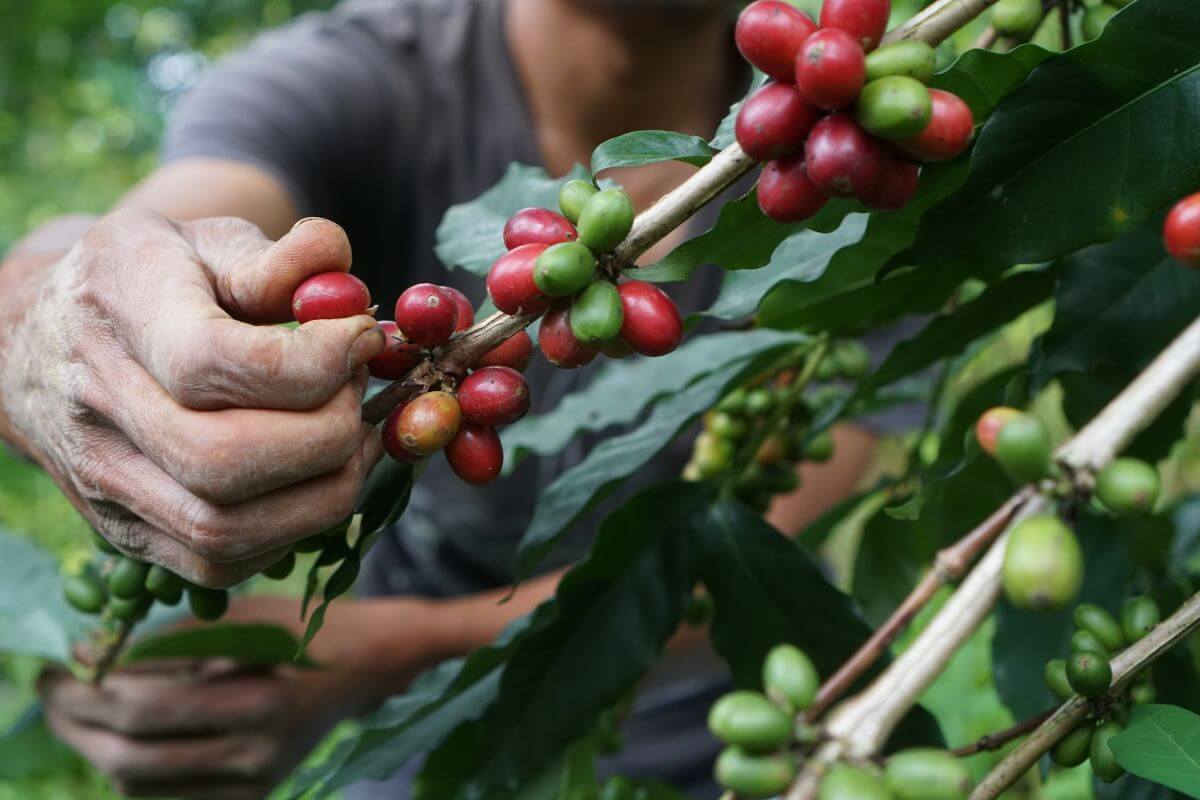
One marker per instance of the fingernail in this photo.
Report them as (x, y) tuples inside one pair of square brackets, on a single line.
[(301, 222), (368, 345)]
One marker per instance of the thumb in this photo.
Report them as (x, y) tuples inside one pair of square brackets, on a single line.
[(254, 277)]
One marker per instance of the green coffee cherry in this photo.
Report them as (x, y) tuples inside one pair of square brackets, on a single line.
[(1104, 762), (1090, 674), (910, 58), (820, 448), (1087, 642), (563, 269), (207, 604), (1056, 679), (127, 578), (1016, 17), (790, 678), (573, 196), (927, 774), (1074, 748), (1101, 624), (894, 107), (281, 568), (780, 478), (727, 426), (1048, 35), (1127, 487), (754, 776), (596, 313), (103, 545), (126, 610), (733, 403), (759, 402), (1095, 18), (1138, 616), (844, 782), (827, 369), (1023, 448), (165, 586), (1143, 692), (852, 358), (1043, 564), (605, 220), (749, 721), (711, 455), (85, 592)]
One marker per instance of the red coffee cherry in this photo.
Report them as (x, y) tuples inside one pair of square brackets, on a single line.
[(830, 69), (841, 158), (773, 122), (785, 193), (330, 295), (426, 315), (391, 438), (558, 342), (510, 281), (948, 132), (428, 422), (493, 396), (651, 324), (463, 308), (865, 20), (897, 183), (397, 358), (538, 226), (475, 454), (514, 353), (1181, 231), (769, 34)]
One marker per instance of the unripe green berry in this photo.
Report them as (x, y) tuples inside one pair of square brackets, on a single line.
[(727, 426), (207, 604), (85, 592), (844, 782), (759, 402), (711, 455), (852, 358), (894, 107), (1143, 692), (750, 721), (790, 678), (733, 403), (1087, 642), (1023, 448), (605, 220), (1016, 17), (1101, 624), (1056, 679), (910, 57), (596, 314), (1138, 616), (127, 610), (1074, 748), (754, 776), (165, 586), (127, 578), (820, 448), (1127, 487), (1090, 674), (927, 774), (1095, 19), (1104, 762), (573, 196), (563, 269), (1043, 564)]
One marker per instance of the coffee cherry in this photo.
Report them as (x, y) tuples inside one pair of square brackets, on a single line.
[(1127, 487), (852, 359), (948, 132), (282, 568), (1101, 624), (537, 226), (493, 396), (165, 586), (1138, 616), (426, 315), (896, 185), (928, 773), (1016, 17), (769, 33), (1087, 642), (1104, 762), (790, 678), (711, 455), (1024, 449), (1181, 231), (475, 454), (820, 448), (785, 193), (605, 219), (1043, 564), (330, 295), (733, 403), (759, 402), (514, 353), (866, 20), (573, 196), (894, 107), (1090, 674), (1056, 679), (127, 578), (773, 122), (428, 422), (989, 425), (596, 313), (910, 57), (651, 323), (754, 776), (207, 604), (750, 721), (397, 358), (510, 281), (85, 592), (1095, 19), (393, 446), (1048, 35), (772, 450), (1074, 748), (129, 610), (465, 312), (103, 545), (563, 269), (830, 69), (558, 343), (844, 782), (841, 159), (727, 426)]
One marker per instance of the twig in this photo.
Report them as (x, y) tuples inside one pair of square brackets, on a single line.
[(110, 653), (994, 741), (938, 21), (986, 39), (1064, 16)]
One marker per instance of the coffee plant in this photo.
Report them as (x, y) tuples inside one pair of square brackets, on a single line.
[(984, 167)]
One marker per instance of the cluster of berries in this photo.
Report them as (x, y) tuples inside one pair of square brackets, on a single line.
[(840, 118), (1021, 20)]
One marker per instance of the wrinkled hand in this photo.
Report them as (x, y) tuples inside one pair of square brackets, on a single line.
[(139, 374)]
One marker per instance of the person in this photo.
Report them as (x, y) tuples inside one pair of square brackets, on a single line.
[(141, 374)]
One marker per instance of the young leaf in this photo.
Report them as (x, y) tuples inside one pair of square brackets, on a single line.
[(1162, 744), (650, 147), (252, 645)]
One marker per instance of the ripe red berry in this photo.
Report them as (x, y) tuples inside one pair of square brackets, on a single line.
[(493, 396), (475, 454), (1181, 232), (397, 358), (330, 295), (830, 69), (514, 353), (773, 122), (865, 20), (785, 193), (841, 158), (538, 226), (391, 438), (769, 34), (427, 423), (510, 281), (426, 315), (558, 342), (462, 305), (651, 324), (948, 132), (897, 183)]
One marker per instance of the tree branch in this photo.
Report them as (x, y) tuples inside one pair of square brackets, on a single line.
[(994, 741)]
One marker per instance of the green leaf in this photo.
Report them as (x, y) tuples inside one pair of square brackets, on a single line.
[(30, 750), (1162, 744), (34, 618), (385, 495), (650, 147), (1086, 150), (253, 645)]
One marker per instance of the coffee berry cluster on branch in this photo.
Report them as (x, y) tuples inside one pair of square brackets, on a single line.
[(1031, 20)]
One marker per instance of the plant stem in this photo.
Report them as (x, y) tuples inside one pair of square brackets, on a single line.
[(938, 21), (994, 741), (986, 39), (110, 652)]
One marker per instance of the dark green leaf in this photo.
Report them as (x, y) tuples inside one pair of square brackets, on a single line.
[(34, 618), (1162, 744), (650, 147), (385, 495), (254, 645)]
